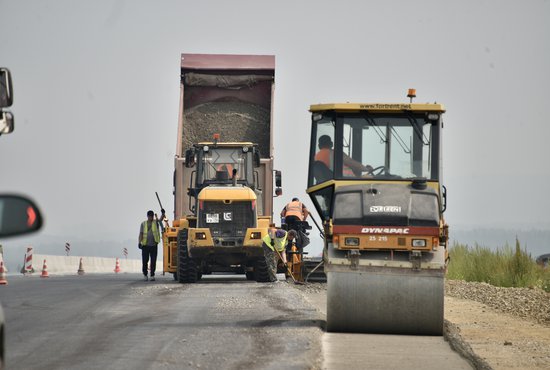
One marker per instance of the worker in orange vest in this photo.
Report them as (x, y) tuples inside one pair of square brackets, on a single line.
[(294, 212), (352, 168), (228, 168)]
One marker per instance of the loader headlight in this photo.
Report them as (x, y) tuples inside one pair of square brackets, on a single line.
[(245, 149), (419, 243), (351, 242), (205, 148), (255, 235), (200, 236)]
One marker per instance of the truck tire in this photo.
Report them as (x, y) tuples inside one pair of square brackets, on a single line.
[(187, 268), (260, 271)]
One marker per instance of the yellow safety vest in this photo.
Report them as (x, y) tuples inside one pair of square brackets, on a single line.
[(280, 243), (155, 230)]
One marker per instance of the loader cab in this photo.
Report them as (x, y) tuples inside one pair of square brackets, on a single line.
[(223, 164), (372, 143)]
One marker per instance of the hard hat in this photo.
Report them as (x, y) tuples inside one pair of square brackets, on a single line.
[(280, 233)]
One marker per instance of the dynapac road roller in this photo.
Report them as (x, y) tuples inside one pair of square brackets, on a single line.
[(375, 180)]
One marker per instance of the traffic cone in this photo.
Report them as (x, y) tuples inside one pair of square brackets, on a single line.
[(3, 280), (44, 271), (117, 267), (80, 268)]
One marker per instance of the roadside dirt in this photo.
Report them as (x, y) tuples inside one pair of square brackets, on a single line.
[(505, 328), (494, 328)]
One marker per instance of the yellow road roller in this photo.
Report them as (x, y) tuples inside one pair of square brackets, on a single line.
[(375, 180)]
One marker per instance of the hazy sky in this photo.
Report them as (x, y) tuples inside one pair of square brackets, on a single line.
[(97, 87)]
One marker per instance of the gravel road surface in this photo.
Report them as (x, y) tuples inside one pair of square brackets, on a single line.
[(119, 322)]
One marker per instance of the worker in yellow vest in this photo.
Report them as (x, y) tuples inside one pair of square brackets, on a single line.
[(149, 237), (275, 239)]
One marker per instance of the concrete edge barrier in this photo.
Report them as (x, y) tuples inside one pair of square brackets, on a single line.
[(68, 265)]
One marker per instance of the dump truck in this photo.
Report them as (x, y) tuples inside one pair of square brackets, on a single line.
[(223, 177), (375, 180)]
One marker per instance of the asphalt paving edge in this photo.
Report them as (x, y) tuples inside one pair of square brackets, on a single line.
[(451, 333)]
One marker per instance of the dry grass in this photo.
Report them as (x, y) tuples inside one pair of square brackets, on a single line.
[(505, 266)]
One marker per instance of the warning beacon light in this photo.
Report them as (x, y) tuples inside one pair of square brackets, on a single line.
[(411, 94)]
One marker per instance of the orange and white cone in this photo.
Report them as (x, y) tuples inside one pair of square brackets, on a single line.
[(3, 280), (117, 267), (45, 271), (80, 268)]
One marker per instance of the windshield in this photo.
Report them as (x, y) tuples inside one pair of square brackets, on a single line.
[(381, 146), (225, 160)]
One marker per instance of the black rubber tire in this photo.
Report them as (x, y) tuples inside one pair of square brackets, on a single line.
[(249, 275), (260, 271), (187, 268), (175, 275)]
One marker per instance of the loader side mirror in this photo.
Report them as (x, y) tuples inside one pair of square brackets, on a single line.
[(256, 158), (189, 158), (444, 199), (6, 90), (18, 216), (278, 192), (6, 123), (278, 179)]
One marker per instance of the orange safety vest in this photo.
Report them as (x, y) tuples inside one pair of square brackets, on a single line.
[(227, 166), (294, 209), (325, 155)]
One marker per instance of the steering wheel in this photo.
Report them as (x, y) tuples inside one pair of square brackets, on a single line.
[(380, 169)]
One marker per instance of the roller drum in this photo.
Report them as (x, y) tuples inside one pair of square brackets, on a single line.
[(386, 300)]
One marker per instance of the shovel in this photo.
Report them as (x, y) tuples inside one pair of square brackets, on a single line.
[(288, 269)]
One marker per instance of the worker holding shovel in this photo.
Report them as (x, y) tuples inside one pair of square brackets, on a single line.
[(274, 245)]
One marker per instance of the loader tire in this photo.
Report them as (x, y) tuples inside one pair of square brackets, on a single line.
[(187, 267), (260, 271), (249, 275)]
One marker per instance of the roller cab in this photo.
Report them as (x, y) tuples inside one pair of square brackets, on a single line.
[(375, 180)]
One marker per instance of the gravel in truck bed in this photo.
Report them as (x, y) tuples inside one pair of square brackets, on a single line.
[(233, 120)]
